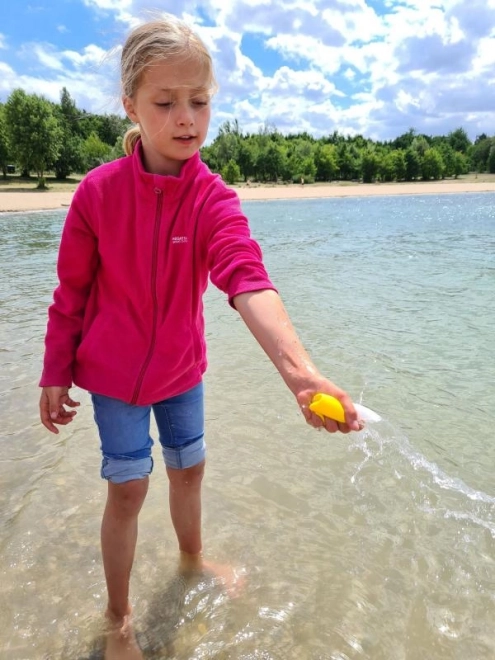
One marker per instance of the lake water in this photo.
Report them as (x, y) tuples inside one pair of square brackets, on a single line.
[(378, 545)]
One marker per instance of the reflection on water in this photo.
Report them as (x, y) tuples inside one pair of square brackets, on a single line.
[(377, 545)]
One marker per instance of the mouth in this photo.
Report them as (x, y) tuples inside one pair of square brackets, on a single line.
[(185, 138)]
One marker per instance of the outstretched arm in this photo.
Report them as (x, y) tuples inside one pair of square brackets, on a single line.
[(266, 317)]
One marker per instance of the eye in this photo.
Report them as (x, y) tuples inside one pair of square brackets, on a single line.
[(164, 105), (200, 103)]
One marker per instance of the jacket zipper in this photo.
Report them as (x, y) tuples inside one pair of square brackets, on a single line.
[(154, 269)]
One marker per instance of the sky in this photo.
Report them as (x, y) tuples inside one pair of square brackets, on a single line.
[(370, 67)]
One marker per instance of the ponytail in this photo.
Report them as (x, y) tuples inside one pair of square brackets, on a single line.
[(130, 139)]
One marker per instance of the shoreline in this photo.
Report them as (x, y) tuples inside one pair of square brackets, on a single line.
[(14, 202)]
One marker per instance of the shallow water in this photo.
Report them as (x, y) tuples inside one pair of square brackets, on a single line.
[(375, 545)]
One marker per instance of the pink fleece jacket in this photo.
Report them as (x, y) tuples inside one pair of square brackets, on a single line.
[(136, 251)]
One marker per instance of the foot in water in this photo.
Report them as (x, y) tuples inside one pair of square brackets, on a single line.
[(232, 579), (121, 641)]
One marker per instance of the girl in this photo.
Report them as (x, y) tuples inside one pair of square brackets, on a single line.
[(142, 235)]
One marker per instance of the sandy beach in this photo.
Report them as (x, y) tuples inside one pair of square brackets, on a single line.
[(11, 201)]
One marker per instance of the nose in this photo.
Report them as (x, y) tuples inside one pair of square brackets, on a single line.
[(185, 115)]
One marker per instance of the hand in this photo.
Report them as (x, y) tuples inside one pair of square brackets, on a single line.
[(305, 396), (52, 411)]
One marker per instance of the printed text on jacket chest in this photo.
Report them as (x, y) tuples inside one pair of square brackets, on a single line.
[(176, 240)]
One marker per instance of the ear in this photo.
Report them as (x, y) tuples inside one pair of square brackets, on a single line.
[(129, 109)]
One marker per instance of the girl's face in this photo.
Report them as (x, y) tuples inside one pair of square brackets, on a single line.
[(172, 108)]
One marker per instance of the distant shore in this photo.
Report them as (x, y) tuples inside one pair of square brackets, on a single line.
[(13, 201)]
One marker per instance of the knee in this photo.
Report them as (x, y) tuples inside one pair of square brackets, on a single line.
[(126, 499), (188, 478)]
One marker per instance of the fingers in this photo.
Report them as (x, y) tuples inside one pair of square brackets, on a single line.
[(52, 409), (351, 417), (70, 402), (318, 422), (45, 416), (54, 401), (331, 426), (61, 417)]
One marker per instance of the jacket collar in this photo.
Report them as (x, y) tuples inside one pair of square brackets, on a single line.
[(167, 183)]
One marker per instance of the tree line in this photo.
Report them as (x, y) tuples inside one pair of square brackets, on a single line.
[(37, 135), (270, 156)]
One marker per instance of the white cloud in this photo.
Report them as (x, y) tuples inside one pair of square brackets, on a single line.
[(91, 56), (122, 9), (87, 91), (349, 65), (7, 76), (109, 5), (304, 49), (44, 55), (484, 60), (311, 85)]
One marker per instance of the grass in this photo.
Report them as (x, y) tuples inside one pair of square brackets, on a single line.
[(475, 177), (472, 177), (15, 183)]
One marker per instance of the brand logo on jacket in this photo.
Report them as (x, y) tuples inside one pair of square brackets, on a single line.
[(179, 239)]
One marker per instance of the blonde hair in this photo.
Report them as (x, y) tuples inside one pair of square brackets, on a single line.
[(156, 40)]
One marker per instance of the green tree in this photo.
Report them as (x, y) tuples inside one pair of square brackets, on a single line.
[(226, 144), (35, 135), (117, 150), (300, 160), (86, 123), (459, 140), (111, 128), (399, 158), (420, 145), (71, 156), (386, 167), (481, 152), (326, 162), (306, 171), (68, 113), (413, 165), (246, 158), (4, 143), (432, 165), (404, 141), (369, 166), (209, 157), (349, 162), (95, 151), (231, 172), (273, 161), (460, 164), (449, 158), (491, 160)]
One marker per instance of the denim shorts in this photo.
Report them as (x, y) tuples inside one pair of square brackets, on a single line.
[(125, 434)]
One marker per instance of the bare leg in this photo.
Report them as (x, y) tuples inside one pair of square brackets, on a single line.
[(118, 542), (185, 509)]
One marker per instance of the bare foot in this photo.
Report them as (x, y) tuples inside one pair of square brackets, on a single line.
[(231, 578), (121, 642)]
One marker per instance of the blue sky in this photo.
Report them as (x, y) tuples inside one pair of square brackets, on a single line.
[(374, 67)]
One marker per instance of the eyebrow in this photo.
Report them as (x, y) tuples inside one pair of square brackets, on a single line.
[(196, 90)]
